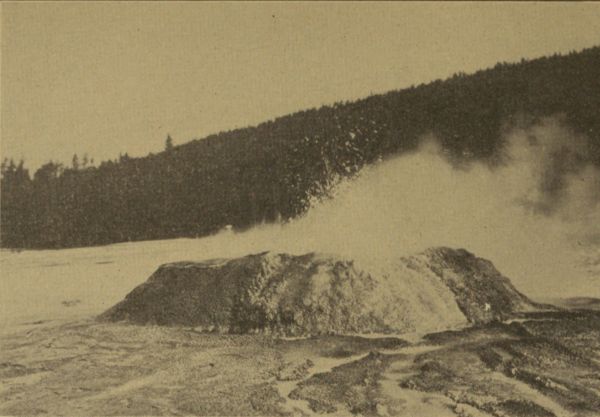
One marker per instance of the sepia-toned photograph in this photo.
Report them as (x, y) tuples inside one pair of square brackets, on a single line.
[(378, 209)]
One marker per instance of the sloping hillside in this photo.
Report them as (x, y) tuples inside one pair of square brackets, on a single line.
[(266, 172), (316, 294)]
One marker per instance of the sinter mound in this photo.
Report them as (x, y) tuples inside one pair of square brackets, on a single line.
[(317, 294)]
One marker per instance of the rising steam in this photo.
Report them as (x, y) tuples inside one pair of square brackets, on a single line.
[(536, 215), (532, 215)]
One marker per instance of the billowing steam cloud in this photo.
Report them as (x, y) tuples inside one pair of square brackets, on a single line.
[(536, 215), (568, 184), (531, 216)]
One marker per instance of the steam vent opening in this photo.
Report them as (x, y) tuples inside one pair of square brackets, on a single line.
[(315, 294)]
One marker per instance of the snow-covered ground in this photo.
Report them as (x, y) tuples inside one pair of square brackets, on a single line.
[(72, 283), (47, 285)]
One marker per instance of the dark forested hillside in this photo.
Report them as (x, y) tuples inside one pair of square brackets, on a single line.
[(262, 173)]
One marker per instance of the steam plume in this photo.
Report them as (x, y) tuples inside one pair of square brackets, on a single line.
[(536, 215)]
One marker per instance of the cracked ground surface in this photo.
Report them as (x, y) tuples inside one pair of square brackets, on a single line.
[(543, 364)]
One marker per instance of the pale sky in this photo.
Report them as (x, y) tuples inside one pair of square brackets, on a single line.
[(104, 78)]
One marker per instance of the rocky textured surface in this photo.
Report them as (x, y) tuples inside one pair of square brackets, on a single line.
[(540, 364), (475, 283), (318, 294)]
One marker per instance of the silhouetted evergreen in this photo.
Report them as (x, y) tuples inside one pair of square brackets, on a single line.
[(169, 143), (262, 173)]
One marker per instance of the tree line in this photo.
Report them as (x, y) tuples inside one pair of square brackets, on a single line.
[(268, 172)]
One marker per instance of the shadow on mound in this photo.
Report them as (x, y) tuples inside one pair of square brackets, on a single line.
[(317, 294)]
